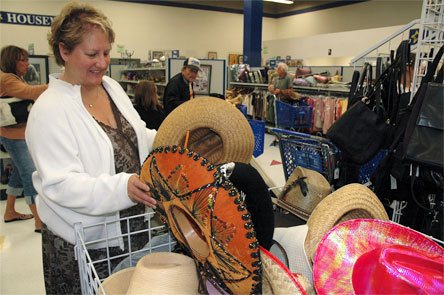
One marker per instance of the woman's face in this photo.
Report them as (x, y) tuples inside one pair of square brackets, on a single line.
[(22, 65), (88, 61)]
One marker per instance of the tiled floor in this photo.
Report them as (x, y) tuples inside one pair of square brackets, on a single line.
[(20, 247)]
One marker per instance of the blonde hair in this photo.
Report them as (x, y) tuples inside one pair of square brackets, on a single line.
[(72, 23), (145, 95)]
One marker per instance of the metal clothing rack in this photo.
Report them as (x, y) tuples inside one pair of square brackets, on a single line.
[(430, 39)]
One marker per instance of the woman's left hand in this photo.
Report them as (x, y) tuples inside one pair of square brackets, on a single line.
[(139, 192)]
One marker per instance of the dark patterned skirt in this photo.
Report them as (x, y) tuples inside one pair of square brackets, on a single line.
[(61, 269)]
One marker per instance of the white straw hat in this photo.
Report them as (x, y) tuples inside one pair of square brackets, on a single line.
[(156, 273)]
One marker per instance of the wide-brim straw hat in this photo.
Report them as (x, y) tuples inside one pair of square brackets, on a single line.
[(344, 251), (156, 273), (208, 218), (217, 130), (292, 197), (348, 202)]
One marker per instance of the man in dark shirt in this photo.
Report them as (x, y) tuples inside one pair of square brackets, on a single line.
[(180, 87)]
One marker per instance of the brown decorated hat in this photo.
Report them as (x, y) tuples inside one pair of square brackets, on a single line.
[(348, 202), (217, 130), (208, 217), (304, 189)]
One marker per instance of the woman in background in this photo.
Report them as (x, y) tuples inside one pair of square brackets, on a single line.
[(14, 65), (147, 104)]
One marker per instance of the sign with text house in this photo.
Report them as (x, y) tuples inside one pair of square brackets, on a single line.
[(26, 19)]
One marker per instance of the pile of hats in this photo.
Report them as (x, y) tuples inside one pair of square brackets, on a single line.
[(208, 218), (348, 246)]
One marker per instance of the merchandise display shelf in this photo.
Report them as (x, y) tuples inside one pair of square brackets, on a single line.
[(326, 88)]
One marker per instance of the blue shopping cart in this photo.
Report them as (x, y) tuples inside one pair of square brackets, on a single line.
[(308, 151), (290, 116)]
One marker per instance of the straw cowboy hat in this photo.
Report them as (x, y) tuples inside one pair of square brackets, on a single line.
[(217, 131), (304, 189), (208, 217), (369, 256), (156, 273), (348, 202)]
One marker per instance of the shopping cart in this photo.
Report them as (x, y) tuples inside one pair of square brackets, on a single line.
[(292, 116), (159, 240), (308, 151)]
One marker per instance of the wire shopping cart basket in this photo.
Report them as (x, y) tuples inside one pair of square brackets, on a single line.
[(308, 151), (159, 240)]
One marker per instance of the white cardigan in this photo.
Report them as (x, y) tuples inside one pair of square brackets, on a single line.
[(74, 158)]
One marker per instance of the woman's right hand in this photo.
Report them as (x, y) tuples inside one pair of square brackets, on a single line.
[(139, 192)]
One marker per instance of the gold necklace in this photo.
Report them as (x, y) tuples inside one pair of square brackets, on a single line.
[(97, 97)]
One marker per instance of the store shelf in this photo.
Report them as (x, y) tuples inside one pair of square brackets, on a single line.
[(128, 81), (326, 88), (143, 69)]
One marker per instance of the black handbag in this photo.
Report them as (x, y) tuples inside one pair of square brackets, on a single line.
[(424, 136), (359, 133), (425, 145), (14, 111)]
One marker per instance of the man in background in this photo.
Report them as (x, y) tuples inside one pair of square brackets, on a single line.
[(180, 87)]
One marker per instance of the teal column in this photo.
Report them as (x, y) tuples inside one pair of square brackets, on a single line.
[(252, 32)]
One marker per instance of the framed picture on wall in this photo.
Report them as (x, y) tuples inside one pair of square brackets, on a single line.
[(240, 59), (212, 55), (232, 59), (158, 54), (202, 84), (38, 71)]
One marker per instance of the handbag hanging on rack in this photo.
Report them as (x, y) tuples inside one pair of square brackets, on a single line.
[(424, 136), (360, 132)]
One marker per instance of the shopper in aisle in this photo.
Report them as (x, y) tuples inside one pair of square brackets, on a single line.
[(180, 88), (87, 142), (147, 104), (282, 84), (14, 65)]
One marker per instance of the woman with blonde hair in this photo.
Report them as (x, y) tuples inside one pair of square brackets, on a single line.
[(147, 104), (88, 143)]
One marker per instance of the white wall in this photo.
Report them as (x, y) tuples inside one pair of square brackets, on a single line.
[(359, 16), (344, 46), (142, 27)]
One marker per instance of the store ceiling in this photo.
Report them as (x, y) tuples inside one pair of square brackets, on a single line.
[(271, 9)]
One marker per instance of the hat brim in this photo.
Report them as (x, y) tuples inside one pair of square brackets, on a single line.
[(349, 202), (217, 130), (278, 279), (194, 68), (343, 244), (206, 215)]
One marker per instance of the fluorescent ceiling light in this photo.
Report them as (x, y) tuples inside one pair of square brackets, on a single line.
[(281, 1)]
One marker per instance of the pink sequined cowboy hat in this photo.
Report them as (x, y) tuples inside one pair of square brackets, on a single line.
[(369, 256)]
